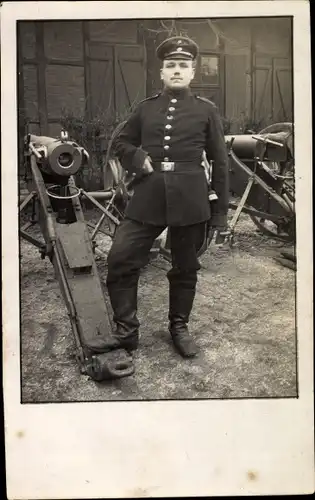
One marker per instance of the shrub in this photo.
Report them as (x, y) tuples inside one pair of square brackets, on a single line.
[(94, 135)]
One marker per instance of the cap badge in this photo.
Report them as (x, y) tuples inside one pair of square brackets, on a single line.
[(179, 49)]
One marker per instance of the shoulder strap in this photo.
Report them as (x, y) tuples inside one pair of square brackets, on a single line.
[(204, 99), (151, 97)]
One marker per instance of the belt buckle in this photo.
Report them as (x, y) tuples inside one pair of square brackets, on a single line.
[(167, 166)]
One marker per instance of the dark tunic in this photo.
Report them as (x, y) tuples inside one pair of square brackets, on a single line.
[(176, 127)]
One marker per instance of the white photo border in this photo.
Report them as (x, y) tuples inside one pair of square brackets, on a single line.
[(184, 448)]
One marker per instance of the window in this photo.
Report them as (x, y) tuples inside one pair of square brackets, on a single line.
[(208, 80), (209, 70)]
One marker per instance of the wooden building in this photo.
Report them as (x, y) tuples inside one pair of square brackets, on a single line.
[(93, 72)]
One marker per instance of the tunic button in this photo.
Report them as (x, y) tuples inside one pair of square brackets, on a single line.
[(167, 138), (173, 100), (166, 146), (168, 126), (169, 117), (171, 108)]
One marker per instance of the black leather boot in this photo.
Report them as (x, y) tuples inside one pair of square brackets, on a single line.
[(124, 305), (181, 302)]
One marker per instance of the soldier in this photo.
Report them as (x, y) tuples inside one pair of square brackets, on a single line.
[(162, 144)]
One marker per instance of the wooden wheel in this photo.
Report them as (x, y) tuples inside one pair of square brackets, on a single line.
[(285, 231)]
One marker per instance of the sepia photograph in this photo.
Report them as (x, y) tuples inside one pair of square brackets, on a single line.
[(157, 209), (157, 248)]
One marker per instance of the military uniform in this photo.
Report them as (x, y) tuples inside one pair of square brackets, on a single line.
[(173, 129)]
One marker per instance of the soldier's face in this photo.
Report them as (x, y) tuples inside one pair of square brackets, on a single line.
[(177, 73)]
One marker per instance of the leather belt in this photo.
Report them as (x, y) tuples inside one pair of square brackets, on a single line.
[(172, 166)]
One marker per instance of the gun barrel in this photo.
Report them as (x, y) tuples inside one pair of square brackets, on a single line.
[(57, 157), (247, 147), (244, 146)]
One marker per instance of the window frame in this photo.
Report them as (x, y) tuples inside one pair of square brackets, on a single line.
[(219, 87), (208, 54)]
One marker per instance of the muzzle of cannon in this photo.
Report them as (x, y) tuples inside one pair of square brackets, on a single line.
[(57, 157)]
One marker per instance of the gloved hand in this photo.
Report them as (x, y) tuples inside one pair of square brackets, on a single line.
[(141, 173), (147, 167)]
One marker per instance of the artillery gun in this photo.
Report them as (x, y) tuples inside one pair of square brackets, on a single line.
[(262, 168), (50, 168)]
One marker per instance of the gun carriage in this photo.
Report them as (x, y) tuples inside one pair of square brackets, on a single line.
[(261, 177), (51, 165), (262, 168)]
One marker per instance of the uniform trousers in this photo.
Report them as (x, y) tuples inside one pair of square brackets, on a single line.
[(129, 254)]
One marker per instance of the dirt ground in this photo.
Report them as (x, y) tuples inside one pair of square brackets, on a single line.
[(243, 320)]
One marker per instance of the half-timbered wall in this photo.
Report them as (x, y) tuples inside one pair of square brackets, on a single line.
[(98, 70)]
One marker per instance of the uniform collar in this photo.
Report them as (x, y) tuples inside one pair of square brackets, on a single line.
[(177, 93)]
